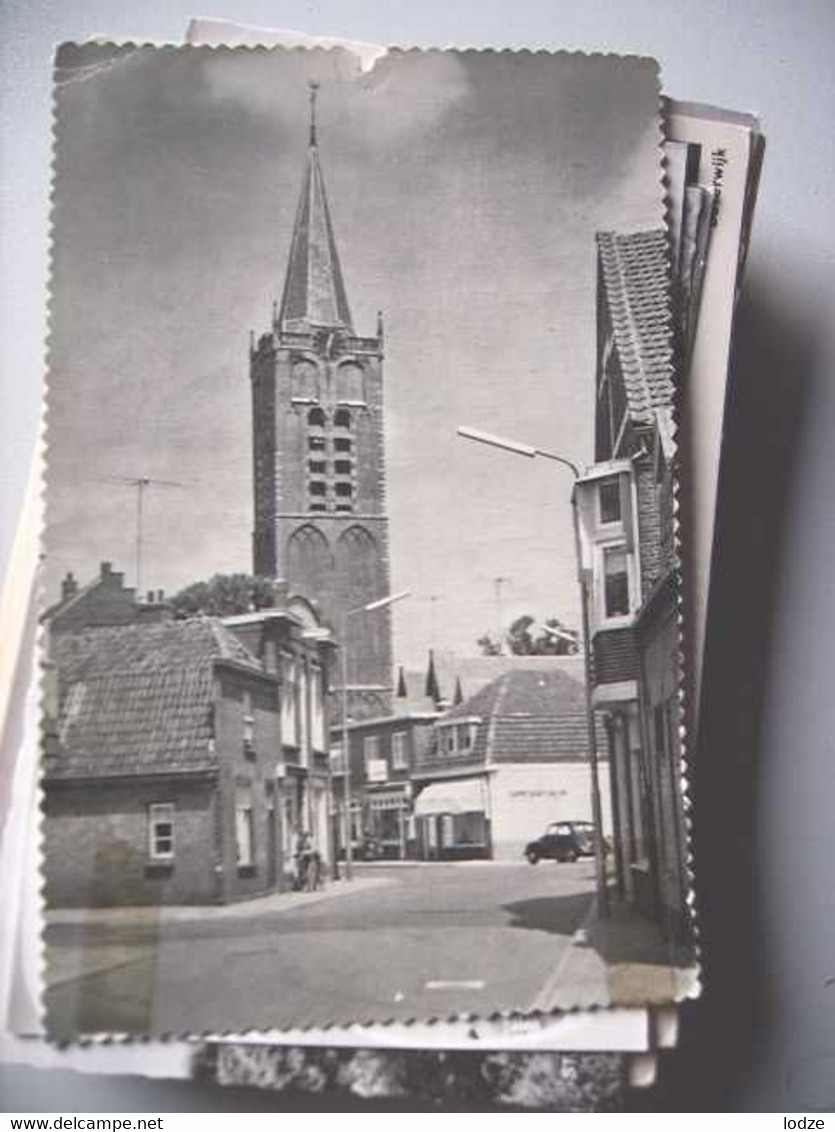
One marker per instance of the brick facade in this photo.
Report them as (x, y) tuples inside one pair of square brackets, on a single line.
[(96, 842), (224, 725), (318, 450)]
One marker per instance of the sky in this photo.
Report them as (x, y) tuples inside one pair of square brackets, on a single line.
[(465, 191)]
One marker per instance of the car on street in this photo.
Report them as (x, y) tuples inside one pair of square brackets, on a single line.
[(562, 841)]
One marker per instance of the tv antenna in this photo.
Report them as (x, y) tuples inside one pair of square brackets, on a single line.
[(498, 583), (140, 483)]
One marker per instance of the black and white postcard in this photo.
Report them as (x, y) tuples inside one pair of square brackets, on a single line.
[(361, 661)]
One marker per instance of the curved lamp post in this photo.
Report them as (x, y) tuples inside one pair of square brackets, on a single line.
[(528, 450), (380, 603)]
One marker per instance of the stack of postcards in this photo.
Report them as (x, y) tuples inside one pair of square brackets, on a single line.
[(361, 594)]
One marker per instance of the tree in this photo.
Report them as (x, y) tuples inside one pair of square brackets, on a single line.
[(522, 639), (224, 595), (489, 645)]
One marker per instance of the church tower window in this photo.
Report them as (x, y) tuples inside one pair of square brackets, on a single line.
[(305, 381), (350, 384)]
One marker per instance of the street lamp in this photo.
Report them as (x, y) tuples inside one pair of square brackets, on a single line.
[(370, 607), (520, 449)]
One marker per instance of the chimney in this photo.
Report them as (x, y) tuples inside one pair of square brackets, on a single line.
[(69, 587), (150, 598), (106, 569), (160, 597)]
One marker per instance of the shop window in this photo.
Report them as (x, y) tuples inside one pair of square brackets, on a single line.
[(161, 831), (615, 581), (244, 831), (609, 500)]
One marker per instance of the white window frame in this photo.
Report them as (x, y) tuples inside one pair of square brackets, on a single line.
[(156, 816), (370, 750), (619, 619), (609, 524), (289, 701), (244, 817), (248, 722), (400, 750), (467, 731)]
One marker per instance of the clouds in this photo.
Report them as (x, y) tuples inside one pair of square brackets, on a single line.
[(399, 101), (465, 191)]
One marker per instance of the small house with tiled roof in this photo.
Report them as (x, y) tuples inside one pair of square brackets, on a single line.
[(626, 518), (168, 765), (505, 763)]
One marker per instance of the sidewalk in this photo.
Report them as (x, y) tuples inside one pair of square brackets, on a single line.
[(622, 961), (269, 905)]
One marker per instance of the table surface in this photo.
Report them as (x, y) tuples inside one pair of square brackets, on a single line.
[(763, 1038)]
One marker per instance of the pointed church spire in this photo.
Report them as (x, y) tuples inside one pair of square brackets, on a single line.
[(432, 689), (458, 698), (314, 290)]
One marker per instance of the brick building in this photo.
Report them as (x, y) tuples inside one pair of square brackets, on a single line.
[(625, 506), (103, 601), (182, 758), (318, 447), (504, 764), (384, 750)]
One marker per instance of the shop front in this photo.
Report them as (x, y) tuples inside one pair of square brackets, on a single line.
[(389, 829), (452, 819)]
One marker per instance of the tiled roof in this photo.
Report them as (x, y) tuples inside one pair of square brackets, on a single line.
[(136, 698), (635, 275), (528, 715), (475, 672)]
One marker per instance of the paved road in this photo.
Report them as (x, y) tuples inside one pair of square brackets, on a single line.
[(430, 941)]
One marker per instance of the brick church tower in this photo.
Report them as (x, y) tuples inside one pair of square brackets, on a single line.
[(318, 448)]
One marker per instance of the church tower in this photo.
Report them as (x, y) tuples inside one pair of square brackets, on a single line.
[(318, 448)]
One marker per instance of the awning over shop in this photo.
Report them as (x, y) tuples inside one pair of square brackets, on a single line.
[(458, 796)]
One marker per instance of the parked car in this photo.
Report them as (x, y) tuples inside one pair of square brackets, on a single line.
[(562, 841)]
